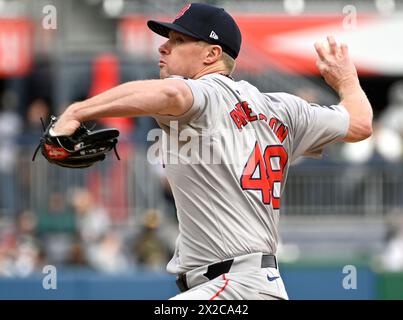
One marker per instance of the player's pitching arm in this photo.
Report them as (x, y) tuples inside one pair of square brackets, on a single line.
[(338, 70), (131, 99)]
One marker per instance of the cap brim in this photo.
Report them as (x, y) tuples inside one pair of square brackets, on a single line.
[(163, 28)]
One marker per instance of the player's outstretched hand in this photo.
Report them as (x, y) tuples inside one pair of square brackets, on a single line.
[(66, 125), (335, 64)]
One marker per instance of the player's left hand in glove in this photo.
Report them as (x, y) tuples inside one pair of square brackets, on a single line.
[(81, 149)]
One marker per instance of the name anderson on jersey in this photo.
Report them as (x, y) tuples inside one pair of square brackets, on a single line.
[(242, 114)]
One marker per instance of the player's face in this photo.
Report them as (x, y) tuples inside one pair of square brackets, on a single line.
[(181, 55)]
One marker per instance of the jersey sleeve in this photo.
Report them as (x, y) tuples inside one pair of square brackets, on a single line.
[(312, 126), (200, 114)]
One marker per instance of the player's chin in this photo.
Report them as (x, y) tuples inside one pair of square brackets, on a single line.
[(163, 73)]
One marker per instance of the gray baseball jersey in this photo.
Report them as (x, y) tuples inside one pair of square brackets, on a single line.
[(227, 160)]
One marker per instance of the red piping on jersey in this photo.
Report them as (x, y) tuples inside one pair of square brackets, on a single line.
[(222, 289)]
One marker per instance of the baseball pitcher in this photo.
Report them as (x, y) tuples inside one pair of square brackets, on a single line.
[(228, 148)]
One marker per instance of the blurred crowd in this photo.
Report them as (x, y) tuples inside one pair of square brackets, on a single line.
[(75, 231)]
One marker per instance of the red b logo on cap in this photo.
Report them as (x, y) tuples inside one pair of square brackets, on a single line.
[(180, 14)]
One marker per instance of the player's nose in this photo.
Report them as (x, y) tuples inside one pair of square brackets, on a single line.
[(164, 48)]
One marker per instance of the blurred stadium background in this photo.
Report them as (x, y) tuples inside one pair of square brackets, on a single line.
[(110, 230)]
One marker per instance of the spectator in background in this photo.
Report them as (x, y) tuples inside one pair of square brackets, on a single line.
[(109, 255), (36, 110), (29, 255), (20, 252), (391, 258), (57, 217), (56, 228), (150, 250), (10, 128), (8, 252), (31, 133), (103, 248), (392, 116), (386, 143), (390, 141), (92, 218)]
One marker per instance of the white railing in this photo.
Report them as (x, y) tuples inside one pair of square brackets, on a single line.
[(130, 186), (370, 190)]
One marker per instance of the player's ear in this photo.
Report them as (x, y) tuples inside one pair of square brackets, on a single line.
[(213, 54)]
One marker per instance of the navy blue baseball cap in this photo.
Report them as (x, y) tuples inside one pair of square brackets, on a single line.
[(204, 22)]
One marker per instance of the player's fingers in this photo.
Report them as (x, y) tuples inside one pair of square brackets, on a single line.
[(321, 51), (344, 49), (332, 44), (320, 65)]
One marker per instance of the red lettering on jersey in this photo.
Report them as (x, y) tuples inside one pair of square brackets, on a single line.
[(262, 117), (273, 123), (242, 114), (248, 111), (282, 132), (239, 116), (268, 175), (257, 163), (275, 175), (279, 128)]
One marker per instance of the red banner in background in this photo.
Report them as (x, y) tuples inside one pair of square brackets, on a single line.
[(136, 40), (16, 47), (286, 43)]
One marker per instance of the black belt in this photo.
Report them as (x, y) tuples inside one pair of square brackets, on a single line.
[(219, 268)]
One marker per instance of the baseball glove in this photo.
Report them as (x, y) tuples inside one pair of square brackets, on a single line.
[(81, 149)]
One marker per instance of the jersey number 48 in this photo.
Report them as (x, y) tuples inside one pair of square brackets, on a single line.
[(264, 172)]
